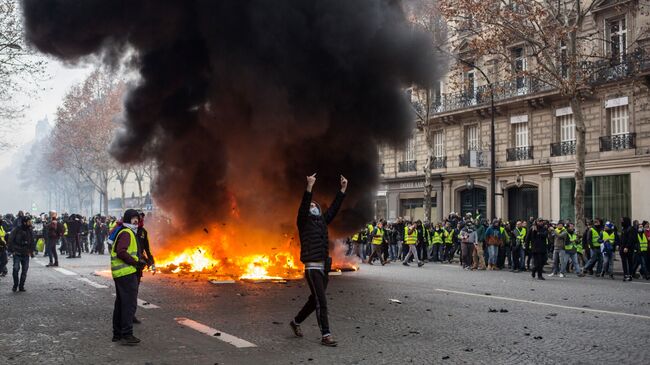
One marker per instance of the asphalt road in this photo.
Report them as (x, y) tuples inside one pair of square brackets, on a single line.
[(445, 316)]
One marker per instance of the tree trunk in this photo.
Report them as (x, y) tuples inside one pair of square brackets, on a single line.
[(140, 199), (122, 202), (104, 192), (579, 193)]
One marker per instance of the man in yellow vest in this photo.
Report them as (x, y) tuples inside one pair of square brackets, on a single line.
[(376, 238), (411, 240), (593, 239), (125, 264), (571, 250), (642, 252)]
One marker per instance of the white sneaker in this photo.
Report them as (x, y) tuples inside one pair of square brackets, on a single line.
[(561, 275), (551, 275)]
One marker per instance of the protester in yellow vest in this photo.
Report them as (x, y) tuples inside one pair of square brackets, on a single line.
[(642, 252), (411, 240), (437, 240), (3, 250), (376, 238), (124, 266), (571, 250)]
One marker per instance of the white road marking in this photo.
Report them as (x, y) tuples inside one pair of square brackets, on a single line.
[(64, 271), (39, 262), (212, 332), (544, 304), (92, 283)]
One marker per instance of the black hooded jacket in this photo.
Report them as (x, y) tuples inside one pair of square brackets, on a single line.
[(312, 229), (629, 237), (21, 241)]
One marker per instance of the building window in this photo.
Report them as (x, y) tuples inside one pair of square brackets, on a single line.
[(439, 144), (521, 135), (618, 120), (567, 128), (409, 149), (519, 67), (472, 138), (617, 39), (606, 197)]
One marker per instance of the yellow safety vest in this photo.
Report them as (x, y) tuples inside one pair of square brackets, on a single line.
[(594, 238), (412, 238), (643, 242), (571, 242), (437, 237), (379, 237), (609, 237), (522, 234), (2, 233), (449, 237), (112, 225), (120, 268), (355, 237), (65, 229)]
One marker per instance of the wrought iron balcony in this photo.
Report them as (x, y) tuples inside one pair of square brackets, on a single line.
[(472, 159), (439, 163), (563, 148), (519, 153), (380, 168), (618, 142), (407, 166), (593, 72)]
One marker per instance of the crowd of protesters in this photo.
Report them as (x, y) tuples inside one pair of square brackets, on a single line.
[(524, 245), (23, 236)]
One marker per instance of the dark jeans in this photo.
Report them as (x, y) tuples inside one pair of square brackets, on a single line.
[(20, 260), (538, 260), (376, 252), (422, 251), (467, 249), (317, 281), (51, 247), (627, 260), (126, 302), (3, 261)]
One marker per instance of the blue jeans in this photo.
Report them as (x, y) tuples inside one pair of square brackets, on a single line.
[(608, 263), (493, 253), (595, 260), (20, 260), (641, 261), (573, 256), (522, 257), (392, 252), (558, 261)]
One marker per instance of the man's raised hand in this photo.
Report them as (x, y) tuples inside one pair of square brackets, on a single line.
[(344, 184), (311, 180)]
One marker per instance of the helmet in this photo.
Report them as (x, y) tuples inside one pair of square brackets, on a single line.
[(609, 225)]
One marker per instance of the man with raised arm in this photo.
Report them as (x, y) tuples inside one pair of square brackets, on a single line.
[(314, 254)]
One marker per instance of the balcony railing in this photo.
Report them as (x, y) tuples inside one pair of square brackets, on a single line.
[(519, 153), (563, 148), (618, 142), (407, 166), (472, 159), (380, 168), (439, 163), (594, 72)]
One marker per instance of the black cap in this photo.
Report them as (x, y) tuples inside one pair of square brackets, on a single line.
[(130, 213)]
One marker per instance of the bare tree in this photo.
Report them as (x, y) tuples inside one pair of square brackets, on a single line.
[(20, 69), (122, 174), (425, 15)]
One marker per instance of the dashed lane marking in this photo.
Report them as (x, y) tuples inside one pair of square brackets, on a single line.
[(215, 333), (544, 304), (64, 271), (92, 283)]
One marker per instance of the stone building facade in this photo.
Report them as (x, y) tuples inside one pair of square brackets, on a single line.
[(535, 145)]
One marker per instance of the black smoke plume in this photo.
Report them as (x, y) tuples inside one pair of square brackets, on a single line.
[(239, 100)]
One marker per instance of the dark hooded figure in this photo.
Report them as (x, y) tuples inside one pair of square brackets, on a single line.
[(314, 254), (21, 244), (629, 243)]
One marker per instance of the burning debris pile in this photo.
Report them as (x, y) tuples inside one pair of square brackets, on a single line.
[(239, 100)]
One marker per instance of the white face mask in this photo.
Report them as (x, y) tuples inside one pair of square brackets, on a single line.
[(314, 211)]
